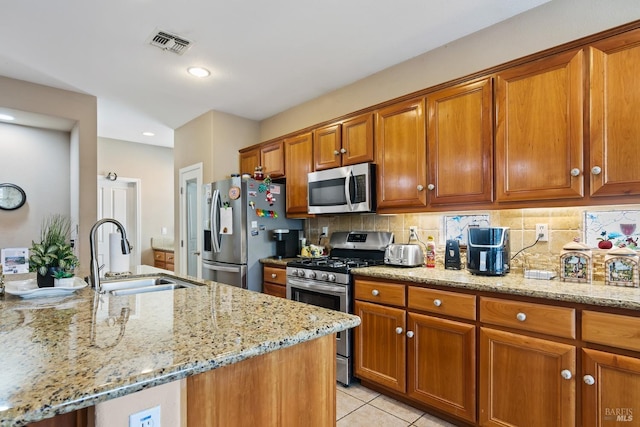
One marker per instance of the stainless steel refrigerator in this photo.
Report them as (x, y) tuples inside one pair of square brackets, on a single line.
[(239, 219)]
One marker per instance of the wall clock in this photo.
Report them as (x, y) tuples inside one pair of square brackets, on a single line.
[(11, 197)]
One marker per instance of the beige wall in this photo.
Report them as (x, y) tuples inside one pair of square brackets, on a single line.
[(153, 166), (37, 160), (546, 26), (81, 109)]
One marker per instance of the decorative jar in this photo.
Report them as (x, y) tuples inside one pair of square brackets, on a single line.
[(576, 263), (621, 267)]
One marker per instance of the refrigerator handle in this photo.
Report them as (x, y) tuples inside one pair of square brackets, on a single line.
[(216, 267), (347, 192), (215, 210)]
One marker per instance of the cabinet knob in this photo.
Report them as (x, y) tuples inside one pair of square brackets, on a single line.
[(575, 172), (375, 292), (589, 380), (437, 302), (596, 170), (420, 187), (398, 330), (274, 275), (343, 151), (431, 187), (409, 334), (521, 317), (566, 374), (336, 152)]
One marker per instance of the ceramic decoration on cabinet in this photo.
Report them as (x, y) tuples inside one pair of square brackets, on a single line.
[(576, 263), (621, 268)]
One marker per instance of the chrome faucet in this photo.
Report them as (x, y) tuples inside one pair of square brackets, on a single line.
[(95, 268)]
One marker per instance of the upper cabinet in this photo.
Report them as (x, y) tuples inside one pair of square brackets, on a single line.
[(614, 101), (299, 162), (401, 152), (344, 144), (460, 144), (270, 156), (539, 129)]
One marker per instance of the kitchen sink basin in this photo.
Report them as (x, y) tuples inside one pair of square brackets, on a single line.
[(139, 285)]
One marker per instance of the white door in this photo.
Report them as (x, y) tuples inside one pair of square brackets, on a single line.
[(190, 220), (119, 200)]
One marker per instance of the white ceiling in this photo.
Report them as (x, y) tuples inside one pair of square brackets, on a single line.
[(265, 56)]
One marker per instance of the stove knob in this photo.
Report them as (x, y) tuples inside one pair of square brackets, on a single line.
[(300, 273), (293, 272), (324, 276), (312, 274), (332, 277)]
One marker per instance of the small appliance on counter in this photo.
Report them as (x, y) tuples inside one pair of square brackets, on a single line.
[(488, 251), (404, 255), (452, 255), (287, 242)]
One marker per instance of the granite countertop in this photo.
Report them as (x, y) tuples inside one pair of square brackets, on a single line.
[(596, 293), (282, 262), (68, 352)]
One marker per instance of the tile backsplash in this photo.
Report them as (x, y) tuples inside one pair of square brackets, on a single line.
[(565, 225)]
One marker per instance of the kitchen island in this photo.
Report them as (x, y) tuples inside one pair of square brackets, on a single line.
[(66, 353)]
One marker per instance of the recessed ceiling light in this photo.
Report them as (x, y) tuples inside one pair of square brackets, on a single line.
[(148, 134), (6, 117), (199, 71)]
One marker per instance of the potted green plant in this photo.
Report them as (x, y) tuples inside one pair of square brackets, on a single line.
[(53, 252)]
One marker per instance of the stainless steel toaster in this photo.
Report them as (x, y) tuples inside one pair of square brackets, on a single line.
[(404, 255)]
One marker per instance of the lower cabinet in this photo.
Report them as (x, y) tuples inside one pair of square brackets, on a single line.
[(274, 281), (163, 259)]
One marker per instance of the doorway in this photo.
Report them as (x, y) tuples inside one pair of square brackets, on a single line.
[(120, 200), (190, 220)]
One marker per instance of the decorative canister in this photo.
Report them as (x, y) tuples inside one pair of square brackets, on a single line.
[(621, 267), (576, 263)]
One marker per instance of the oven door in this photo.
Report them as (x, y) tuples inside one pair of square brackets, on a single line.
[(322, 294)]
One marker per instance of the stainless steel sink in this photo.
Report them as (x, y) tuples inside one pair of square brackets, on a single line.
[(137, 285)]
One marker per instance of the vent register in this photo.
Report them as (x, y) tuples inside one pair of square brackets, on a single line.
[(171, 42)]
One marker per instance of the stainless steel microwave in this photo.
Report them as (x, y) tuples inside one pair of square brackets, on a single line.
[(347, 189)]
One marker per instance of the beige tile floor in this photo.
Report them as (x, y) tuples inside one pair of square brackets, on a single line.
[(359, 406)]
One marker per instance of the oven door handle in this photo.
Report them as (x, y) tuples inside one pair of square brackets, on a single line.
[(317, 286)]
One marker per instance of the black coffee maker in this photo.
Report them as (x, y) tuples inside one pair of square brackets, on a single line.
[(286, 243)]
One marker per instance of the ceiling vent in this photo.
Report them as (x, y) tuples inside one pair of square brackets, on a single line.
[(171, 42)]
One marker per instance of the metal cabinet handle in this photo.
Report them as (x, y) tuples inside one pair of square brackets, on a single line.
[(596, 170), (409, 334), (521, 317), (575, 172), (398, 330), (343, 151), (420, 188), (566, 374), (431, 187), (375, 292), (437, 302), (589, 380), (274, 275)]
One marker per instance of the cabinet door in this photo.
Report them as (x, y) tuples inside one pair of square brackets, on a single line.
[(614, 125), (299, 162), (357, 140), (401, 155), (460, 144), (442, 364), (326, 150), (610, 389), (521, 382), (539, 129), (272, 157), (249, 160), (380, 353)]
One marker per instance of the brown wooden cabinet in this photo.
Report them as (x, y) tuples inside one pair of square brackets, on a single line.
[(299, 162), (539, 136), (270, 156), (163, 259), (460, 144), (614, 103), (344, 144), (249, 160), (401, 153), (274, 280)]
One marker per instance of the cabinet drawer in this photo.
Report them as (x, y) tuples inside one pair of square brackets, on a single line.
[(168, 257), (158, 255), (275, 290), (443, 302), (158, 264), (616, 330), (558, 321), (380, 292), (275, 275)]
